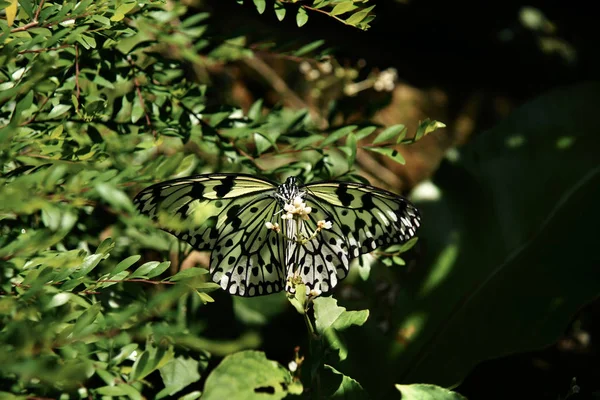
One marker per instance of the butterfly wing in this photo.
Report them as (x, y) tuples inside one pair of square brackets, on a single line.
[(363, 218), (246, 259), (224, 213), (322, 261)]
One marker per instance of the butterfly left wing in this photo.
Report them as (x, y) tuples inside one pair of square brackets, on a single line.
[(224, 213), (194, 209)]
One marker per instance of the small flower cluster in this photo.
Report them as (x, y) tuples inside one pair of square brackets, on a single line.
[(386, 80), (313, 73), (297, 207)]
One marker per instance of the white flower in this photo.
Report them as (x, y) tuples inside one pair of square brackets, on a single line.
[(274, 227), (296, 207), (314, 292), (313, 74), (298, 202), (326, 67), (305, 67), (293, 366), (324, 225)]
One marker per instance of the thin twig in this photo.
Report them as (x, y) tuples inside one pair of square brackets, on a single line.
[(136, 280), (44, 50), (77, 70), (140, 97), (326, 13), (39, 9)]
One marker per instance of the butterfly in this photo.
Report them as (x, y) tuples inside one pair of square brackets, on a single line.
[(265, 236)]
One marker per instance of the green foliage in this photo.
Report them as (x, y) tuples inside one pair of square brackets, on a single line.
[(355, 13), (98, 99)]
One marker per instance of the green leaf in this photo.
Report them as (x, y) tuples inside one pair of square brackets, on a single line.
[(307, 48), (119, 390), (103, 82), (301, 17), (58, 110), (391, 153), (389, 133), (260, 5), (188, 274), (279, 10), (177, 374), (125, 352), (86, 319), (426, 127), (343, 7), (330, 318), (149, 361), (255, 111), (247, 375), (364, 132), (336, 385), (23, 105), (150, 269), (115, 197), (299, 298), (359, 16), (351, 143), (262, 143), (120, 12), (123, 265), (427, 392), (307, 141), (137, 110), (337, 135), (89, 263)]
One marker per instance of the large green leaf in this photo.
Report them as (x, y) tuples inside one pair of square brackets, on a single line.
[(510, 246), (427, 392), (249, 375)]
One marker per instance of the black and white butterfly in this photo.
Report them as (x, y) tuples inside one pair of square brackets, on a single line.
[(243, 220)]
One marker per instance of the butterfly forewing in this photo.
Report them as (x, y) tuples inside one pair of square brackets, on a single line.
[(364, 216)]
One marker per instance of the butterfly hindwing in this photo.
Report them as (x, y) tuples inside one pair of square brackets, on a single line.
[(323, 260), (246, 259)]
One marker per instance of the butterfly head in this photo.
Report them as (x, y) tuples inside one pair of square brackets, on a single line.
[(289, 190)]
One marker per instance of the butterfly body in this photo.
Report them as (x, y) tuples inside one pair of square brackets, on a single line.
[(262, 234)]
